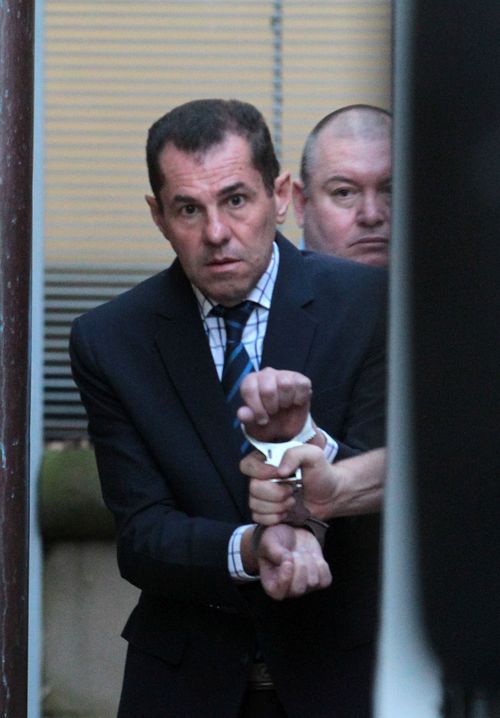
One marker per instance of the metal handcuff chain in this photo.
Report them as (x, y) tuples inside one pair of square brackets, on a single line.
[(300, 516)]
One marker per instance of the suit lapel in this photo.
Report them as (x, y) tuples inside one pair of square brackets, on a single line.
[(186, 354), (290, 329), (187, 358)]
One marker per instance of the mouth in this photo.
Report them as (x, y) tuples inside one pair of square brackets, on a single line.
[(371, 239), (223, 262)]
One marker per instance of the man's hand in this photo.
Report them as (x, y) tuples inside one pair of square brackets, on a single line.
[(276, 404), (291, 562), (346, 488), (271, 502)]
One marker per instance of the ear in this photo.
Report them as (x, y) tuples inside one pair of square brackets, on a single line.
[(299, 200), (282, 189), (156, 212)]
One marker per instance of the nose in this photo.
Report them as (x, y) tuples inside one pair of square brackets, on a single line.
[(373, 210), (216, 231)]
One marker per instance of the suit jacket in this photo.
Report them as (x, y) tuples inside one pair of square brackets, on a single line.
[(169, 472)]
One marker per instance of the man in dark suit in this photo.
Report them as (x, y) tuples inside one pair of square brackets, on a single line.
[(151, 369)]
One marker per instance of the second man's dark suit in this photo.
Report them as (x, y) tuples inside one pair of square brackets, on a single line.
[(169, 470)]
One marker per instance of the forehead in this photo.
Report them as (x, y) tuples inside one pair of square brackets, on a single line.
[(222, 165), (359, 157)]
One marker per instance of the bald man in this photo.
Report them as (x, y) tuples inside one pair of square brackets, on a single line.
[(343, 197)]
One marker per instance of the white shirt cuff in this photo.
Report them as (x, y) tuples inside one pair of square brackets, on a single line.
[(234, 562), (331, 447)]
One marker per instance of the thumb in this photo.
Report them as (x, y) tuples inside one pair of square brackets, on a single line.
[(304, 455), (275, 553)]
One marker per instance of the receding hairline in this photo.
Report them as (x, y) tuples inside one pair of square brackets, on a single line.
[(355, 120), (366, 122), (196, 126)]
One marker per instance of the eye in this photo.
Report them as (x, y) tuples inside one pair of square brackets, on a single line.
[(188, 210), (343, 193), (236, 200)]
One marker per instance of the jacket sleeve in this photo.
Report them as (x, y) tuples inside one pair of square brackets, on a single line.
[(161, 549), (365, 420), (349, 367)]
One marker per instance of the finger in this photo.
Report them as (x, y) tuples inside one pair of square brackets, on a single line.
[(299, 582), (268, 390), (270, 492), (302, 389), (286, 389), (268, 513), (313, 564), (254, 465), (311, 571), (276, 582), (246, 415), (324, 574), (285, 575), (264, 507), (283, 389), (269, 519), (253, 409), (305, 456)]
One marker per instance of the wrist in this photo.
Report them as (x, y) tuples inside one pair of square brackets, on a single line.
[(322, 511), (322, 501), (329, 505), (248, 555)]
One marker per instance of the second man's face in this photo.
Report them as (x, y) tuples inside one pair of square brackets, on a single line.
[(347, 209), (218, 217)]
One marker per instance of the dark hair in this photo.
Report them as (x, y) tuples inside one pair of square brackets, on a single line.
[(196, 126), (377, 113)]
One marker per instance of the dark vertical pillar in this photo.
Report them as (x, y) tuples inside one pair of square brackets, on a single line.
[(454, 211), (16, 123)]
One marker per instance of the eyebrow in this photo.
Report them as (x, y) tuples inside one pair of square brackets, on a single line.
[(339, 178), (349, 180), (224, 192), (232, 188), (183, 199)]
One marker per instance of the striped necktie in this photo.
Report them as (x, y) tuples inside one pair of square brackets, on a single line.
[(237, 363)]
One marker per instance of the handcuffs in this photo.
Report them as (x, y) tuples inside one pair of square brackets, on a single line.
[(299, 516)]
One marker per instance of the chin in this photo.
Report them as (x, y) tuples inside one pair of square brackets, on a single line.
[(228, 295), (373, 260)]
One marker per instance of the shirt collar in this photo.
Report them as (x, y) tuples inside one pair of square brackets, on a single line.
[(261, 294)]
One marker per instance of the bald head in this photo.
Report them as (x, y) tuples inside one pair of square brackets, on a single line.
[(363, 122), (342, 199)]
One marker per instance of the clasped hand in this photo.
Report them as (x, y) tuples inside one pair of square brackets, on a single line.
[(276, 405)]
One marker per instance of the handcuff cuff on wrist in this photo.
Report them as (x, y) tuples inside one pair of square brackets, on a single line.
[(299, 516)]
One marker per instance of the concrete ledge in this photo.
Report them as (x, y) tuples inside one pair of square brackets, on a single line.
[(71, 506)]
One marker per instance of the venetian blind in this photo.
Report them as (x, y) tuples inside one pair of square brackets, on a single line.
[(113, 67), (334, 54)]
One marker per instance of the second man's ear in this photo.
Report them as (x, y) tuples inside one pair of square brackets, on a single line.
[(299, 201)]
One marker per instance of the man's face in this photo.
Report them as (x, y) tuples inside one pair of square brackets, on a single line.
[(347, 209), (218, 217)]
